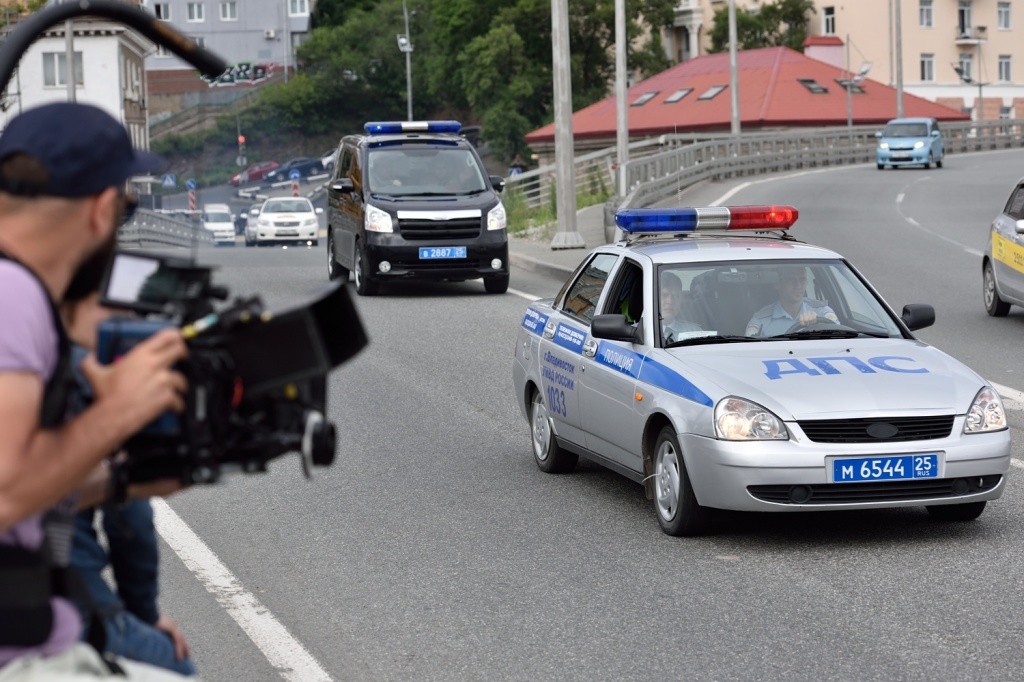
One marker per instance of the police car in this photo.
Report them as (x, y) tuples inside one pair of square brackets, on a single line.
[(1002, 267), (723, 364)]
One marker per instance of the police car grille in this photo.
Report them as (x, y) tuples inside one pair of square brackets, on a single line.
[(465, 228), (857, 430), (885, 491)]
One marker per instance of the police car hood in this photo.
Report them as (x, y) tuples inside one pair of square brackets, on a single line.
[(834, 378)]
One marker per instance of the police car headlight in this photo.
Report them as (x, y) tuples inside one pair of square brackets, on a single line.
[(263, 223), (377, 220), (738, 419), (496, 219), (986, 413), (883, 145), (918, 144)]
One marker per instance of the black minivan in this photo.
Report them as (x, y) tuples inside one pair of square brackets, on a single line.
[(412, 200)]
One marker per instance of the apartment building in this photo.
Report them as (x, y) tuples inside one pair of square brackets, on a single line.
[(954, 52), (257, 37)]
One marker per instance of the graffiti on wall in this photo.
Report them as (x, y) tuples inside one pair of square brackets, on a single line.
[(243, 72)]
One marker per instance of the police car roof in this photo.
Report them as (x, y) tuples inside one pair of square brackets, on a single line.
[(711, 248)]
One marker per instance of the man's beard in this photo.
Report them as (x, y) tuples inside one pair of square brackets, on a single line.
[(89, 275)]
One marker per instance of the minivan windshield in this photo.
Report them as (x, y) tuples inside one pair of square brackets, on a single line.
[(217, 218), (906, 130), (420, 171)]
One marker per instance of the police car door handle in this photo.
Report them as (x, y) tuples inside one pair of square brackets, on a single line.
[(590, 348)]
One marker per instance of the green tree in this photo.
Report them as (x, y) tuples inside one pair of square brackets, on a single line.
[(336, 12), (781, 23)]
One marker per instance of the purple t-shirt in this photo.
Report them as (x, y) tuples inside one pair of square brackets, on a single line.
[(28, 343)]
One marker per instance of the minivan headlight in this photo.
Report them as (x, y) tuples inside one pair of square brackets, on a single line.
[(986, 413), (883, 145), (739, 419), (496, 218), (918, 144), (377, 220)]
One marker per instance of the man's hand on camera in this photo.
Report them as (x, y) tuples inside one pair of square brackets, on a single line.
[(142, 384), (167, 625)]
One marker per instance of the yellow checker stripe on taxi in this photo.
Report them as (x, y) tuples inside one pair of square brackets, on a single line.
[(1008, 253)]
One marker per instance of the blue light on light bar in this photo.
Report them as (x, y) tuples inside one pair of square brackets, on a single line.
[(394, 127), (637, 221)]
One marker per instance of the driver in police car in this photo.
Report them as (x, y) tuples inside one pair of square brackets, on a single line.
[(793, 309)]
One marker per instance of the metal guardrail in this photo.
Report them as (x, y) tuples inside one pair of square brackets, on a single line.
[(149, 228)]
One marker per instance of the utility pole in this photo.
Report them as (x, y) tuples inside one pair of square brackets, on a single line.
[(567, 236), (849, 89), (621, 105), (69, 58), (980, 32), (899, 61), (407, 49), (734, 79)]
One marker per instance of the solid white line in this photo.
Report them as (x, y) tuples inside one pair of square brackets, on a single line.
[(775, 178), (281, 649), (974, 252), (913, 222), (522, 294), (1017, 463), (728, 195), (899, 198)]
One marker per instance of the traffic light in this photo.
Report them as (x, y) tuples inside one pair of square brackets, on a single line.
[(241, 145)]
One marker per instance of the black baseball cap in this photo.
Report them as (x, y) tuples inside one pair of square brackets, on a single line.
[(83, 148)]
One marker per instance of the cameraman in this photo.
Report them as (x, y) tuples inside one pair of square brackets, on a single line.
[(62, 172)]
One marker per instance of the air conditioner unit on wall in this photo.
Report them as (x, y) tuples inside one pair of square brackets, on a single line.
[(269, 33)]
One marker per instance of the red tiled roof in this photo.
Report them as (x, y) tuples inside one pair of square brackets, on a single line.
[(770, 96), (822, 40)]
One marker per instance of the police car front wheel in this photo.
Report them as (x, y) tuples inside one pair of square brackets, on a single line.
[(550, 457), (674, 500)]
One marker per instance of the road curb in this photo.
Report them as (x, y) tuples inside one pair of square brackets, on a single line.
[(524, 262)]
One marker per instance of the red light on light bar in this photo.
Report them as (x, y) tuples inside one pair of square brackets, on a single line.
[(762, 217)]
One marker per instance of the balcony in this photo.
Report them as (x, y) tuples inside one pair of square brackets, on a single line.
[(970, 36)]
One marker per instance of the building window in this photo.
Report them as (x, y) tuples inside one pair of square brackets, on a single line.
[(812, 85), (855, 88), (1005, 73), (162, 10), (55, 69), (967, 67), (828, 21), (677, 95), (927, 67), (924, 14), (963, 15), (199, 40), (196, 12), (298, 8), (712, 91), (644, 98), (229, 11), (1003, 16)]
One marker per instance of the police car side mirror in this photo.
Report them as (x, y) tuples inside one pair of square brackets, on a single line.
[(615, 328), (497, 182), (918, 316), (343, 185)]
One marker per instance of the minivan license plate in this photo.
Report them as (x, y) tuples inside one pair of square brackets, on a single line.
[(427, 252), (895, 468)]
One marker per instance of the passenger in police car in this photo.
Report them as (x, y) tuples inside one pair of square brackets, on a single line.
[(793, 309), (673, 321)]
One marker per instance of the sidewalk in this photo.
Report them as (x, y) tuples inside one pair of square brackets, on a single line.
[(534, 253)]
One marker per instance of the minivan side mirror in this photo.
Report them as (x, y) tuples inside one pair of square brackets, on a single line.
[(497, 182), (918, 316), (878, 133), (935, 133), (343, 185)]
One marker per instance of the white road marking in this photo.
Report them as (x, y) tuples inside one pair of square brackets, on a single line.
[(281, 649), (913, 222), (728, 195), (899, 198), (1017, 463), (522, 294), (974, 252)]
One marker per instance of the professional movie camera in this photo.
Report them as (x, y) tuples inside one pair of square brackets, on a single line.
[(256, 380)]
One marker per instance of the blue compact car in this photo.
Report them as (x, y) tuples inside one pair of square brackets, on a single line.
[(910, 142)]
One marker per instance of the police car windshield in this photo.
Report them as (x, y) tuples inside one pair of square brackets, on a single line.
[(288, 206), (906, 130), (729, 302), (424, 171)]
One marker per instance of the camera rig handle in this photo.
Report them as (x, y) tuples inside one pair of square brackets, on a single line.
[(160, 32)]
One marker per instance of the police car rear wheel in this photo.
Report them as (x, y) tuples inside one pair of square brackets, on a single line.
[(674, 501), (334, 270), (550, 458), (995, 306), (364, 287), (956, 512), (496, 285)]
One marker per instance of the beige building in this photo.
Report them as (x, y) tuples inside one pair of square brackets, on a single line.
[(983, 39)]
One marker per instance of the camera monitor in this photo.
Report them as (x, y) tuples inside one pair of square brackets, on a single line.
[(146, 283)]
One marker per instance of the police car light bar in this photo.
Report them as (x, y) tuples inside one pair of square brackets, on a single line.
[(640, 221), (392, 127)]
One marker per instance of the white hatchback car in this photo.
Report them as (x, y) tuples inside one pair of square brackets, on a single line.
[(218, 219), (288, 220)]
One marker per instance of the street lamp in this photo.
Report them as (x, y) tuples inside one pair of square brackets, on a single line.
[(405, 45), (850, 82)]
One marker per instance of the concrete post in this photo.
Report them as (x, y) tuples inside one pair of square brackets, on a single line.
[(567, 237), (621, 105)]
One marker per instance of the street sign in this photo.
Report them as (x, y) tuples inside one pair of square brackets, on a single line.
[(240, 161), (514, 171), (190, 184), (294, 174), (168, 180)]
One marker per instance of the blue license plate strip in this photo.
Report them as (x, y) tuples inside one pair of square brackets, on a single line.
[(885, 468), (429, 252)]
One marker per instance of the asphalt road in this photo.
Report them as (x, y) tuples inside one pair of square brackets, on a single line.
[(435, 549)]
